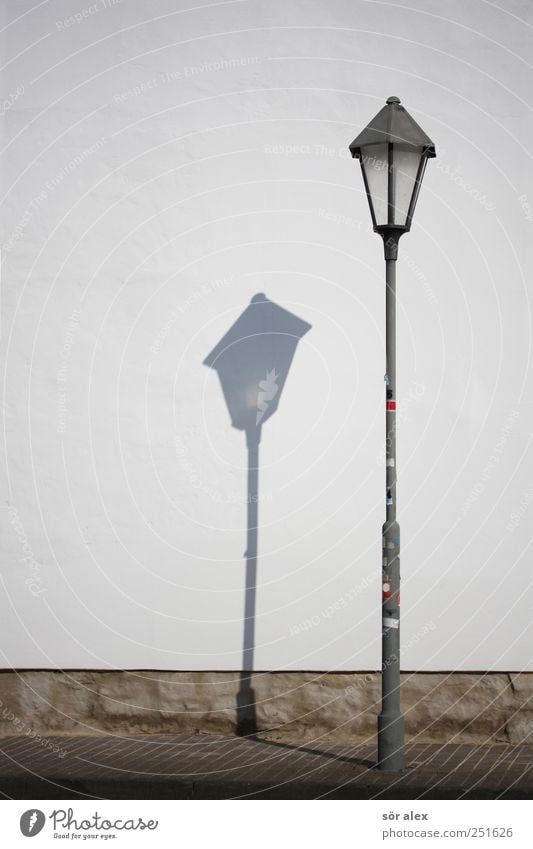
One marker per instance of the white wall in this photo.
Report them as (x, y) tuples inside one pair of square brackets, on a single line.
[(162, 166)]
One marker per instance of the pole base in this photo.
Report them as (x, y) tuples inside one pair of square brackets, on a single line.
[(391, 731)]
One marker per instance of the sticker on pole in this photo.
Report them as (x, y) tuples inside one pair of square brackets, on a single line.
[(387, 588), (390, 623), (391, 406)]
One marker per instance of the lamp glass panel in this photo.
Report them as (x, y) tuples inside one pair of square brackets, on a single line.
[(405, 169), (374, 161), (417, 187)]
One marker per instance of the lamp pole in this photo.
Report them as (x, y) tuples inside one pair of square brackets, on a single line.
[(393, 151), (391, 725)]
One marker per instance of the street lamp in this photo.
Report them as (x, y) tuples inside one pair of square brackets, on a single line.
[(393, 151)]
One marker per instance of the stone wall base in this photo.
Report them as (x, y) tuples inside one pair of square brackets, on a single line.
[(438, 707)]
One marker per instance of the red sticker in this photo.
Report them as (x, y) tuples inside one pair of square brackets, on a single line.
[(387, 588), (391, 405)]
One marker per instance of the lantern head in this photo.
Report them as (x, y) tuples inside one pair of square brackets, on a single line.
[(393, 151)]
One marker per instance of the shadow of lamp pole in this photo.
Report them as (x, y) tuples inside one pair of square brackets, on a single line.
[(252, 361)]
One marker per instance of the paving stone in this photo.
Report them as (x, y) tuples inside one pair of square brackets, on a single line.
[(221, 767)]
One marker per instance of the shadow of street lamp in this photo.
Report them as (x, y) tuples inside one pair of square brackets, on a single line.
[(252, 361)]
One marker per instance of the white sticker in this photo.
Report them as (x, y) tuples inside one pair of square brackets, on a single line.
[(390, 462), (391, 623)]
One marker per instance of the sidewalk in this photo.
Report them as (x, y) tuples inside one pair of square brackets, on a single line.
[(216, 767)]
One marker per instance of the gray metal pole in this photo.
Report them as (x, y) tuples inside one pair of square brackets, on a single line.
[(391, 729)]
